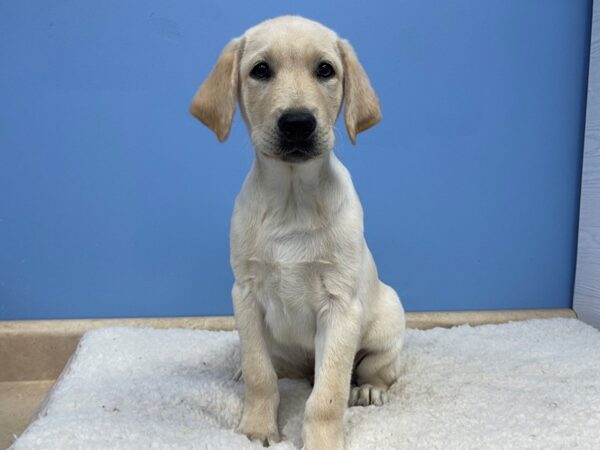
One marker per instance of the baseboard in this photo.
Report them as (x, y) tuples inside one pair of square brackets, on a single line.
[(39, 349)]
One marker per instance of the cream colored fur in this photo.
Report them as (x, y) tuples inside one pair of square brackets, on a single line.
[(307, 297)]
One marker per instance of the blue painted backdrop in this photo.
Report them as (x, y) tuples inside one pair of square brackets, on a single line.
[(115, 202)]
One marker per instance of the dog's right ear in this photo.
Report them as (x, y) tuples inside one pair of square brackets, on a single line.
[(214, 102)]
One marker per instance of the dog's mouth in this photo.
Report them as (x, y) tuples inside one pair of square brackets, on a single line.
[(297, 155), (293, 154), (289, 151)]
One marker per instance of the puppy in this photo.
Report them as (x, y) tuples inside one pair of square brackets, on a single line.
[(307, 298)]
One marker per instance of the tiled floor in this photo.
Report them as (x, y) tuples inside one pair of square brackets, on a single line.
[(19, 401)]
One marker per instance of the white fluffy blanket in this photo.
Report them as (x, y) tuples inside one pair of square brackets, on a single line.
[(533, 384)]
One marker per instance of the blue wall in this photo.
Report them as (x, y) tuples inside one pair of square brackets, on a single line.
[(115, 202)]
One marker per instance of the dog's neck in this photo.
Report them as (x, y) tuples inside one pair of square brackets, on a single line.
[(310, 184)]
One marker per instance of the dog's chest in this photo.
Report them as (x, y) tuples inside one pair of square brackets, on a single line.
[(288, 272)]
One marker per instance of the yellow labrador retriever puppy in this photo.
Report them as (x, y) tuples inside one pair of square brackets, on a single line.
[(307, 298)]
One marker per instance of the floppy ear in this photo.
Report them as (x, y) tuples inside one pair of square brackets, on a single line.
[(214, 102), (362, 109)]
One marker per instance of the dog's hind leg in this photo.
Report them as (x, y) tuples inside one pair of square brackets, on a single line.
[(378, 362)]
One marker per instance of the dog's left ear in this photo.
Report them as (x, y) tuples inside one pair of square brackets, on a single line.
[(361, 110), (214, 103)]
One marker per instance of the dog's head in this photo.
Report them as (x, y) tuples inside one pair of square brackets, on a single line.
[(290, 76)]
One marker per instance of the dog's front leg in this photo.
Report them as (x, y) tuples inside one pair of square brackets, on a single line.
[(261, 400), (338, 333)]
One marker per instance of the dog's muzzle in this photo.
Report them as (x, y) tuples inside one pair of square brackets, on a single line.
[(296, 135)]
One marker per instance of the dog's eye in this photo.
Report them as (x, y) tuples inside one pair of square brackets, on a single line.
[(325, 70), (261, 71)]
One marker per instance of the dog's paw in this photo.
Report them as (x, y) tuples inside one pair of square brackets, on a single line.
[(366, 395), (264, 439), (238, 376), (265, 435), (323, 435)]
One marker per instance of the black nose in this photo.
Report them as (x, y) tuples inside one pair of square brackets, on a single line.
[(297, 126)]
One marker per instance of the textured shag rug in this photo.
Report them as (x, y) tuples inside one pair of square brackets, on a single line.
[(533, 384)]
